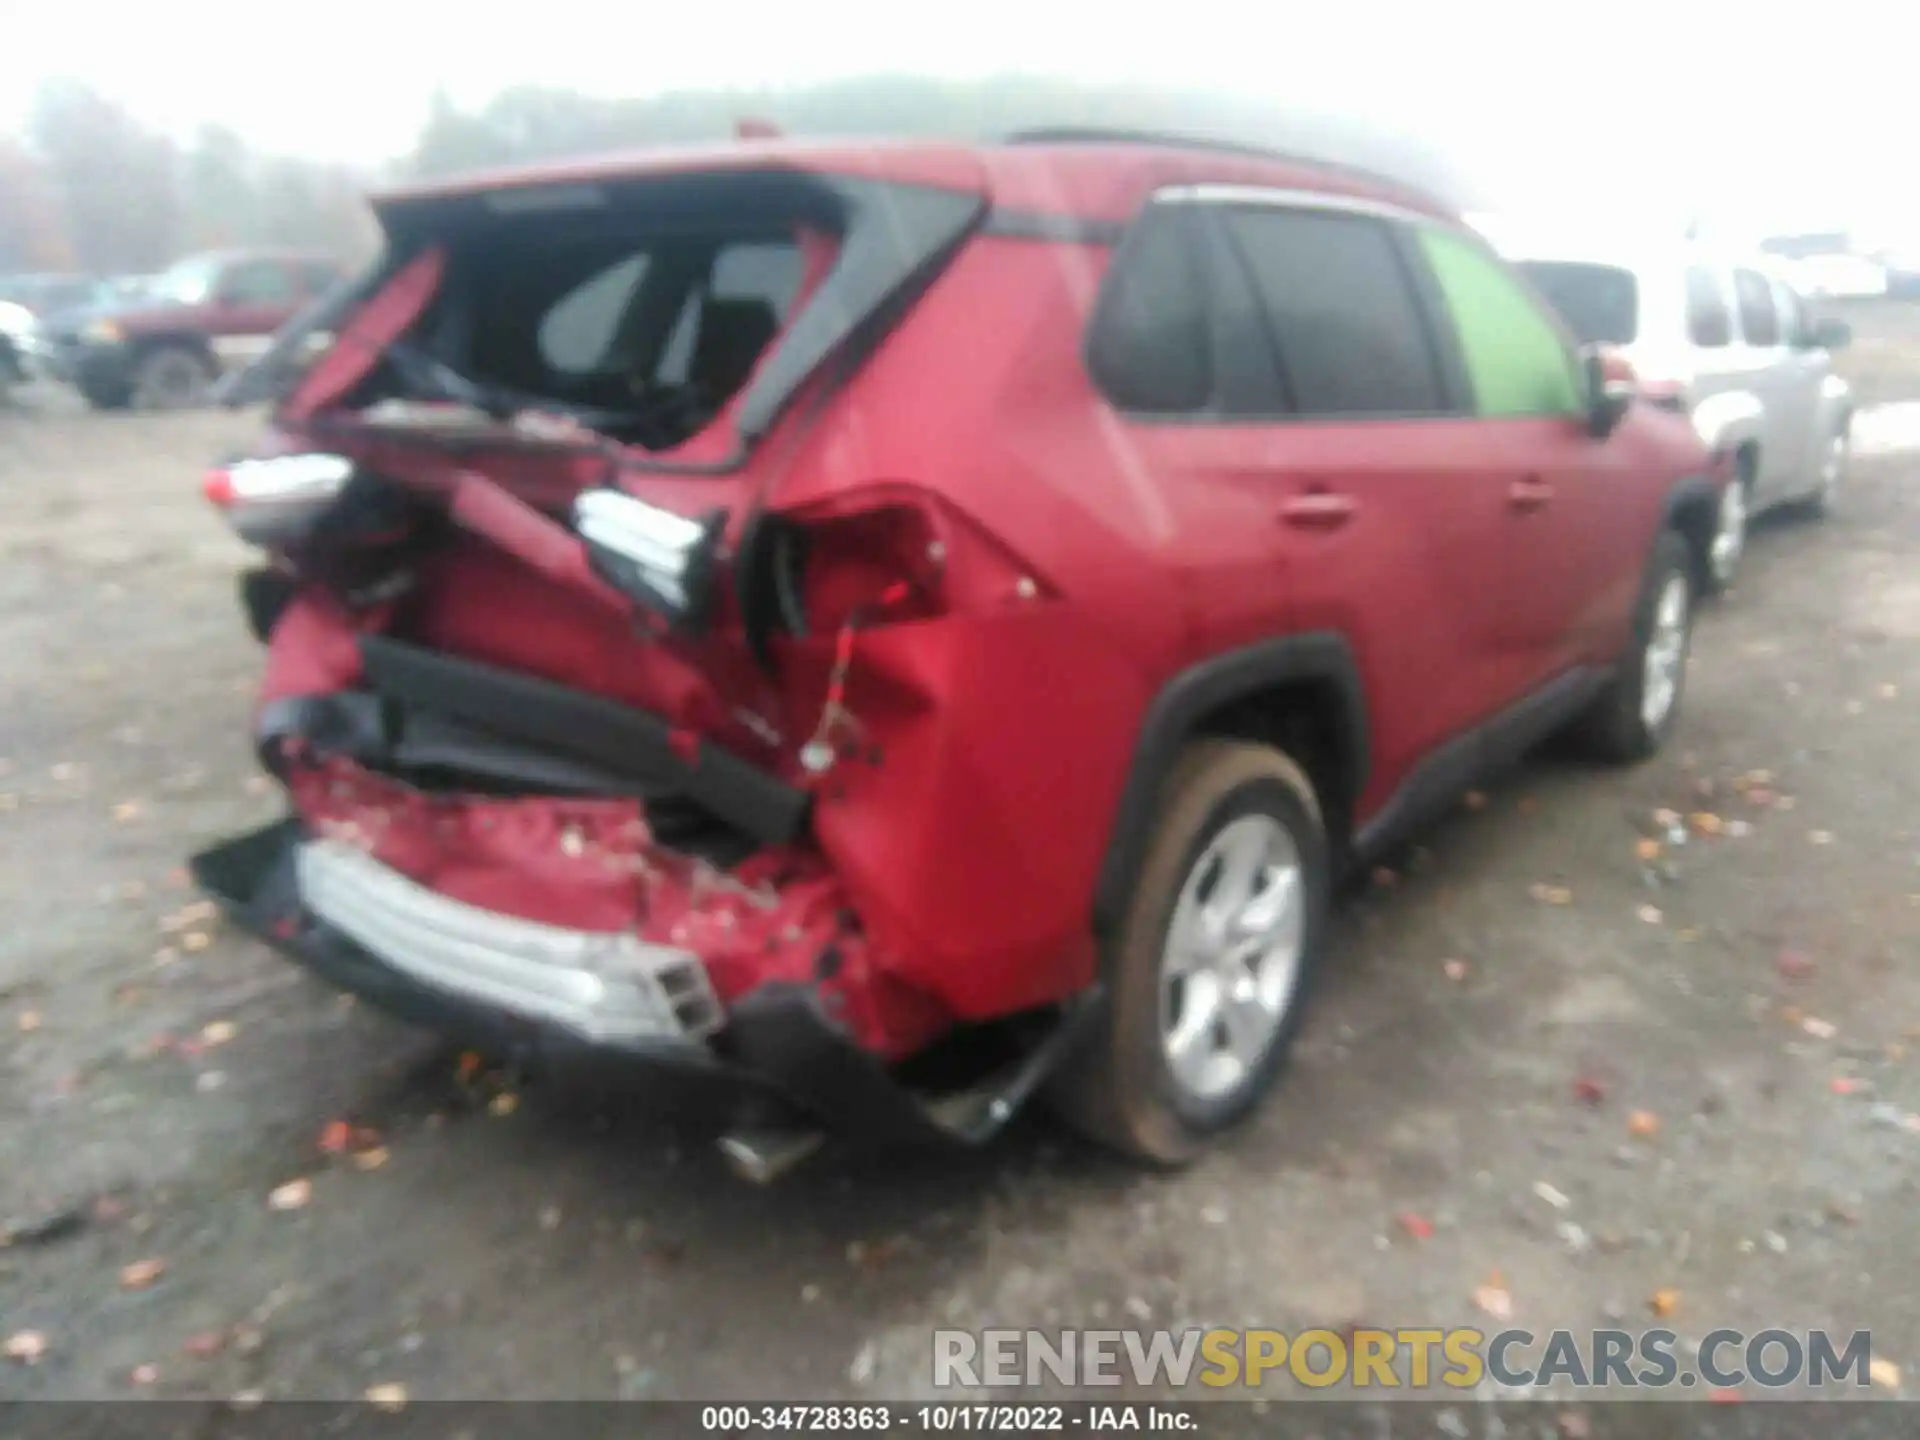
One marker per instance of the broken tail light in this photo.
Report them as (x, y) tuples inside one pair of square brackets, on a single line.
[(656, 558), (276, 502)]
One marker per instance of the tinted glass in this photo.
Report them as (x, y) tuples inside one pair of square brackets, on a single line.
[(1148, 349), (1709, 322), (1600, 303), (1516, 357), (1794, 328), (1344, 318), (1758, 323), (260, 283)]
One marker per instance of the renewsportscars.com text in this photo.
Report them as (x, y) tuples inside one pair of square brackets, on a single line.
[(1412, 1358)]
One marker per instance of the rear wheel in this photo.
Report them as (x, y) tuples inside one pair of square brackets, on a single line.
[(171, 378), (1212, 961), (1729, 544), (1638, 709)]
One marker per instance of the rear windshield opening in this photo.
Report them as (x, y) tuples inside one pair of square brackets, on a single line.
[(644, 336), (1600, 303)]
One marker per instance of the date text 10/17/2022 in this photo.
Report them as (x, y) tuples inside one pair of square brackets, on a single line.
[(976, 1419)]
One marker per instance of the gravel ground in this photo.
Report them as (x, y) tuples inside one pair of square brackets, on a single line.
[(1693, 1075)]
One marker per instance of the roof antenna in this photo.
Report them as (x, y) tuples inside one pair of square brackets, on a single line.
[(754, 129)]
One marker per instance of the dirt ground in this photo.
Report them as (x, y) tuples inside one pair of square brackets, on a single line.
[(1754, 992)]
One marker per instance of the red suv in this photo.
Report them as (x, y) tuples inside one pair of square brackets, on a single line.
[(881, 632)]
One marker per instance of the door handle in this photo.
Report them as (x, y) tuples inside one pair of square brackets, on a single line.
[(1529, 494), (1318, 510)]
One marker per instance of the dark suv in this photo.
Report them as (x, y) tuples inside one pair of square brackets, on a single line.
[(160, 345), (874, 633)]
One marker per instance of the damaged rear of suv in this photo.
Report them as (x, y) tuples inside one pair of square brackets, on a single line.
[(729, 614)]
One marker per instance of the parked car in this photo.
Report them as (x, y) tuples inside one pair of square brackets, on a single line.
[(1725, 339), (16, 329), (884, 631), (46, 293), (161, 342)]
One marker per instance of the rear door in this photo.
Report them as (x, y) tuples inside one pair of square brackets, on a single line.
[(1373, 494), (1766, 365), (1568, 546), (1804, 367)]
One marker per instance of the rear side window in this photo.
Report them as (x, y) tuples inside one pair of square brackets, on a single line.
[(1600, 303), (1148, 349), (259, 282), (1344, 316), (1517, 360), (1758, 323), (1794, 329), (1709, 321)]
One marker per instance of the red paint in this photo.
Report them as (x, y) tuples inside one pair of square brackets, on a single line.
[(1004, 571)]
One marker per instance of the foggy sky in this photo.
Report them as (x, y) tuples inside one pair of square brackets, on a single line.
[(1684, 106)]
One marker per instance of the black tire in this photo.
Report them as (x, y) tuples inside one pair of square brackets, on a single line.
[(171, 377), (1618, 728), (1120, 1087), (104, 396)]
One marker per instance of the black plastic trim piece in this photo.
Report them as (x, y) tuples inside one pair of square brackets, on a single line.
[(1452, 769), (631, 743), (1180, 706), (1006, 223), (264, 595)]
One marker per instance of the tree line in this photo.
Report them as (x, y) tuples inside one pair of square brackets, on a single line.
[(90, 186)]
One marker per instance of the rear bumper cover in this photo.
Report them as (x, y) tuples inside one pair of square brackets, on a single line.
[(778, 1049)]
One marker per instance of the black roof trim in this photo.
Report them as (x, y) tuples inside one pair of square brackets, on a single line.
[(1093, 135)]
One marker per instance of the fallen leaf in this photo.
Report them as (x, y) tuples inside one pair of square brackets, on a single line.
[(387, 1397), (335, 1137), (1725, 1395), (1664, 1302), (1647, 849), (1526, 805), (127, 810), (468, 1067), (1650, 914), (1475, 800), (371, 1158), (195, 940), (1643, 1123), (1418, 1226), (1820, 837), (144, 1374), (218, 1032), (1818, 1028), (1894, 1050), (1705, 822), (141, 1273), (1792, 1014), (1575, 1426), (210, 1342), (505, 1103), (1455, 970), (1588, 1090), (26, 1346), (1551, 894), (258, 785), (1554, 1197), (1794, 965), (1493, 1298), (28, 1022), (293, 1195), (1884, 1373), (1844, 1084), (1666, 819), (1384, 879)]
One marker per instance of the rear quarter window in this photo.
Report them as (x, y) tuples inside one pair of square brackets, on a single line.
[(1148, 348), (1709, 320), (1759, 324)]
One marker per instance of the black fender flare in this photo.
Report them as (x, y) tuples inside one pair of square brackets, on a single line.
[(1174, 715), (1688, 494)]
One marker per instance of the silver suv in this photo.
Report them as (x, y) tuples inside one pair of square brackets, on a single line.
[(1724, 338)]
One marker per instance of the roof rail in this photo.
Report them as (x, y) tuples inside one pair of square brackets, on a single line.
[(1093, 135)]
